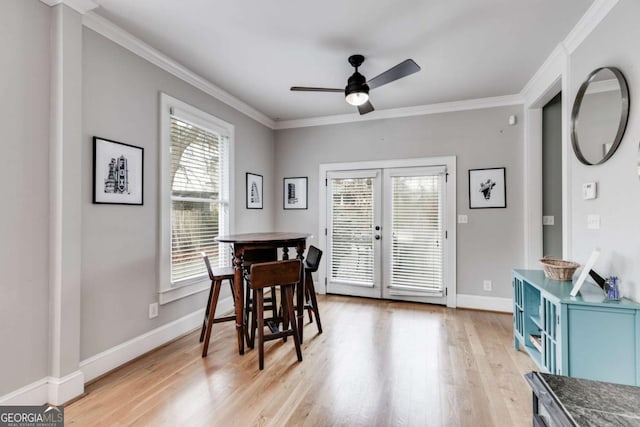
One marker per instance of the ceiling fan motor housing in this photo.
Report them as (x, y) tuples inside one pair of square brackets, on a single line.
[(356, 83)]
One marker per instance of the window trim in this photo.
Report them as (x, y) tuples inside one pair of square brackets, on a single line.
[(167, 292)]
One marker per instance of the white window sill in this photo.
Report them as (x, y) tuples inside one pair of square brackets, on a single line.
[(177, 292)]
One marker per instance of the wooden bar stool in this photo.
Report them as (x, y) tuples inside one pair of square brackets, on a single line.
[(250, 257), (217, 275), (312, 262), (285, 274)]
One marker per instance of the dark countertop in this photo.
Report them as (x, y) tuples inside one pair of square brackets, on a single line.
[(595, 403)]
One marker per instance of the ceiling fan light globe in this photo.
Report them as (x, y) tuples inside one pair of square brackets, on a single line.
[(357, 98)]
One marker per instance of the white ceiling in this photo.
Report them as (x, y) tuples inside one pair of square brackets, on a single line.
[(257, 49)]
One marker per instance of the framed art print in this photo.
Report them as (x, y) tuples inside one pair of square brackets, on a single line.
[(254, 191), (117, 172), (295, 193), (487, 188)]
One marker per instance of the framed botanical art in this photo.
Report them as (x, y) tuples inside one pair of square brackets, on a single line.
[(295, 193), (487, 188), (117, 172), (254, 191)]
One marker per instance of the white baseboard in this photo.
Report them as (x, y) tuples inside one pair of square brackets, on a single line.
[(64, 389), (110, 359), (53, 390), (36, 393), (478, 302), (57, 391)]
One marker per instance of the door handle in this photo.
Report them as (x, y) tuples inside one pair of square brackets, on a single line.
[(377, 237)]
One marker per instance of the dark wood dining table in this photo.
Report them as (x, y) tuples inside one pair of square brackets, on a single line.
[(281, 240)]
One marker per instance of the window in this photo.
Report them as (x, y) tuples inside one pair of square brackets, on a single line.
[(195, 181)]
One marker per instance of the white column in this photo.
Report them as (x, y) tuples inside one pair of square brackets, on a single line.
[(66, 381)]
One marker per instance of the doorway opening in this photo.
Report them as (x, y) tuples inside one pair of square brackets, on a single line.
[(552, 212)]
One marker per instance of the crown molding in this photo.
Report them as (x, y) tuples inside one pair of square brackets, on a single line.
[(80, 6), (116, 34), (444, 107), (555, 65), (121, 37), (589, 21), (550, 71)]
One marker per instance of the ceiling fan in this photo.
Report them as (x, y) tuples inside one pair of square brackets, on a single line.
[(357, 90)]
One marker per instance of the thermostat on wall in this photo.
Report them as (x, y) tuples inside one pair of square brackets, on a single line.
[(589, 191)]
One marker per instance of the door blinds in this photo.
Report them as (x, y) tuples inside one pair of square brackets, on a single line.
[(351, 227), (417, 233)]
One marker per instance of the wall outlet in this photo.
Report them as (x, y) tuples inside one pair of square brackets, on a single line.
[(153, 310), (548, 220), (486, 285), (463, 219), (593, 222)]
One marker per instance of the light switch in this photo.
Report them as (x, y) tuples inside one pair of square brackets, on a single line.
[(589, 191), (593, 222), (548, 220), (463, 219)]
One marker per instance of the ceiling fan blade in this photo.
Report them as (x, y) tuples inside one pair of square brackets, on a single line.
[(403, 69), (365, 108), (314, 89)]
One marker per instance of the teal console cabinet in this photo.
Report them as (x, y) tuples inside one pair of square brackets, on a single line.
[(586, 336)]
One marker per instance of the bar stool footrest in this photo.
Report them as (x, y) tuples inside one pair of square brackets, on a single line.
[(224, 319)]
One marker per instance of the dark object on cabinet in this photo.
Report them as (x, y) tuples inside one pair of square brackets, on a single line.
[(597, 278)]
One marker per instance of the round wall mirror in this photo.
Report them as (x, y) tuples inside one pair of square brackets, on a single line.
[(599, 116)]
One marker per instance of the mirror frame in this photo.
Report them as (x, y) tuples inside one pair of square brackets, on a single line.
[(624, 114)]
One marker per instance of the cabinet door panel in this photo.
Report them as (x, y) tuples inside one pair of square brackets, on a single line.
[(549, 336), (601, 344), (518, 313)]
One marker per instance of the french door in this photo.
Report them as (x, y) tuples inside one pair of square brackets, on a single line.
[(386, 233), (354, 232)]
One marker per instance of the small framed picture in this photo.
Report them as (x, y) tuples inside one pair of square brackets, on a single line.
[(295, 193), (487, 188), (117, 172), (254, 191)]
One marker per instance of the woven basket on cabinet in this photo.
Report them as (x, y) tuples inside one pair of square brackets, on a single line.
[(558, 269)]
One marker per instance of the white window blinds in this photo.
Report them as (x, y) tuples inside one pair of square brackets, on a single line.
[(352, 219), (199, 164), (417, 232)]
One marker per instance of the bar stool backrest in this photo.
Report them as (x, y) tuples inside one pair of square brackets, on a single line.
[(314, 255), (267, 274), (208, 264)]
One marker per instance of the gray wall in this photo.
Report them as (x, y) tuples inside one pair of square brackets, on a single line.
[(24, 217), (491, 244), (121, 94), (612, 43), (552, 176)]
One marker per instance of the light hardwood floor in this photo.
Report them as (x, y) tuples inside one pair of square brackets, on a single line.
[(378, 363)]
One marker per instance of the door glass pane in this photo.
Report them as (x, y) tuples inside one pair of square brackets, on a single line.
[(352, 230), (417, 258)]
